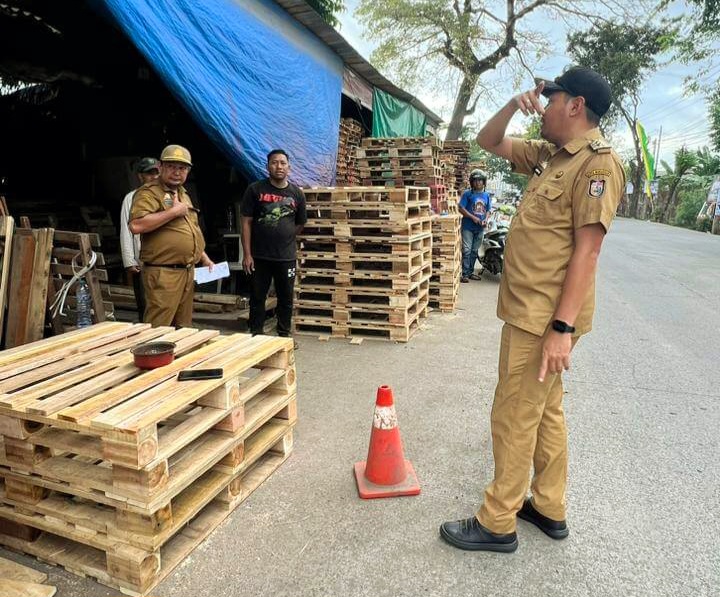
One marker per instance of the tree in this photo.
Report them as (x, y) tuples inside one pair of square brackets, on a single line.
[(498, 165), (625, 55), (420, 39), (328, 10), (685, 163)]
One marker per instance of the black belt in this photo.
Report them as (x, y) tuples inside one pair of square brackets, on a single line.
[(170, 265)]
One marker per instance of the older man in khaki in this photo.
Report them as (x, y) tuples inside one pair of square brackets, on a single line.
[(171, 241), (547, 298)]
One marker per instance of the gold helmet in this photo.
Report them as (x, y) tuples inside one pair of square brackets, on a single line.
[(176, 153)]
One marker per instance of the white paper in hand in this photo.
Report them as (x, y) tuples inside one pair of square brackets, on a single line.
[(203, 274)]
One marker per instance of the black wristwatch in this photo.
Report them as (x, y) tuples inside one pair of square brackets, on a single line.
[(562, 327)]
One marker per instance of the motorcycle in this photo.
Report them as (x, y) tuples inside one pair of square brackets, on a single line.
[(492, 251)]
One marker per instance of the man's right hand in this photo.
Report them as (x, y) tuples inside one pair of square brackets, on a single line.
[(477, 220), (179, 207), (248, 264), (529, 102)]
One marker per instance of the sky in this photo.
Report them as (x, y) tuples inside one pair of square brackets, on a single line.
[(664, 102)]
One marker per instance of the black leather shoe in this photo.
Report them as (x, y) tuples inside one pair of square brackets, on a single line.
[(556, 529), (471, 535)]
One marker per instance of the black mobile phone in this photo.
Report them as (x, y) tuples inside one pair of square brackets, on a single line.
[(189, 374)]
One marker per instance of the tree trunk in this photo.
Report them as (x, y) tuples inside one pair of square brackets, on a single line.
[(638, 174), (460, 111)]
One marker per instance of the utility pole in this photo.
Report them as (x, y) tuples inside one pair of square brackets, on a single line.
[(657, 149)]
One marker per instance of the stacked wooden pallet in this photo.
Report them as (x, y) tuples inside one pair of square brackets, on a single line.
[(123, 297), (364, 262), (348, 142), (117, 473), (461, 152), (400, 162), (447, 260)]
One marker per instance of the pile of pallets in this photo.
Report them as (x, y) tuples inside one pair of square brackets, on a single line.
[(348, 142), (400, 162), (461, 152), (118, 473), (37, 284), (447, 260), (364, 263)]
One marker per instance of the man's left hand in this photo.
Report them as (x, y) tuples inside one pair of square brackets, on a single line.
[(555, 354), (208, 263)]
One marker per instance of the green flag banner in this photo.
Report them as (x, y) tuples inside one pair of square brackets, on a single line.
[(647, 157)]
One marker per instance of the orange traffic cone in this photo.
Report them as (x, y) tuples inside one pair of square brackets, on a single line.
[(386, 473)]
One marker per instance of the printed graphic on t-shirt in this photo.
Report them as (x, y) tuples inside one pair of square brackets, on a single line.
[(275, 207), (479, 208)]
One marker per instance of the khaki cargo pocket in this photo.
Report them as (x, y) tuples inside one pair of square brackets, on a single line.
[(547, 204)]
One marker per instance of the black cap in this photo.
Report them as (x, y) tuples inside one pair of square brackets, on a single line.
[(147, 164), (579, 81)]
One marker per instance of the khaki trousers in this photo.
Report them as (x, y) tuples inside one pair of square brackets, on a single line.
[(168, 295), (528, 429)]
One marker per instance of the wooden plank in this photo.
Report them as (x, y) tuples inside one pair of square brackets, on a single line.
[(66, 270), (19, 588), (73, 238), (38, 399), (93, 279), (28, 294), (10, 570), (154, 406), (93, 406), (31, 350), (7, 225)]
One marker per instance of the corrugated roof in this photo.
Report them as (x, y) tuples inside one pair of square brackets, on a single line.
[(306, 15)]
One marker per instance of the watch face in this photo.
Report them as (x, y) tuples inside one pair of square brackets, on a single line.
[(562, 327)]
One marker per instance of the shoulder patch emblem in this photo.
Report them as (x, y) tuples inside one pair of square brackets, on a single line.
[(597, 188), (598, 172)]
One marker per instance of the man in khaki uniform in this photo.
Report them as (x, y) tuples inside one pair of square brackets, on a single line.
[(171, 241), (547, 298)]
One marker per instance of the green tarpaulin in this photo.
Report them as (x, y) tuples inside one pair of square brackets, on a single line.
[(395, 118)]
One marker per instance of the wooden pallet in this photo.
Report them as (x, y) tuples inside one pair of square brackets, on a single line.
[(366, 310), (109, 409), (330, 294), (372, 246), (85, 539), (364, 262), (370, 281), (367, 229), (360, 329), (119, 460)]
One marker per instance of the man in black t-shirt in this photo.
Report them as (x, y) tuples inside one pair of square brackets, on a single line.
[(273, 213)]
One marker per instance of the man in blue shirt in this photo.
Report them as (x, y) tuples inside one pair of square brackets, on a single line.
[(474, 206)]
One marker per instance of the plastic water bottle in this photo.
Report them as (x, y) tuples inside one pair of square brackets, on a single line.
[(84, 308)]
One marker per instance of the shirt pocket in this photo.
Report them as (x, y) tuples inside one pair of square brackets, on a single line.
[(547, 205)]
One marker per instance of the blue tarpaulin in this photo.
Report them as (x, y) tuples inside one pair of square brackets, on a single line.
[(251, 76)]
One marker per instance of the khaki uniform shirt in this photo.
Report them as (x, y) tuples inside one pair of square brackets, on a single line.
[(579, 184), (179, 241)]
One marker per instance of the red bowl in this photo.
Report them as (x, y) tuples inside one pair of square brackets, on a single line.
[(153, 354)]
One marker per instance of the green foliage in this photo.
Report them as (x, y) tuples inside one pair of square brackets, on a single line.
[(714, 117), (328, 10), (498, 165), (691, 200), (624, 54)]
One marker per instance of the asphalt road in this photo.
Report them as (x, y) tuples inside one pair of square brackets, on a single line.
[(642, 404)]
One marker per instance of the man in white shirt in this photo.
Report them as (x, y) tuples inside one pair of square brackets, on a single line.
[(147, 169)]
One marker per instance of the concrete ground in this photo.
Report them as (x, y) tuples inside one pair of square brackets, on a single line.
[(644, 494)]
